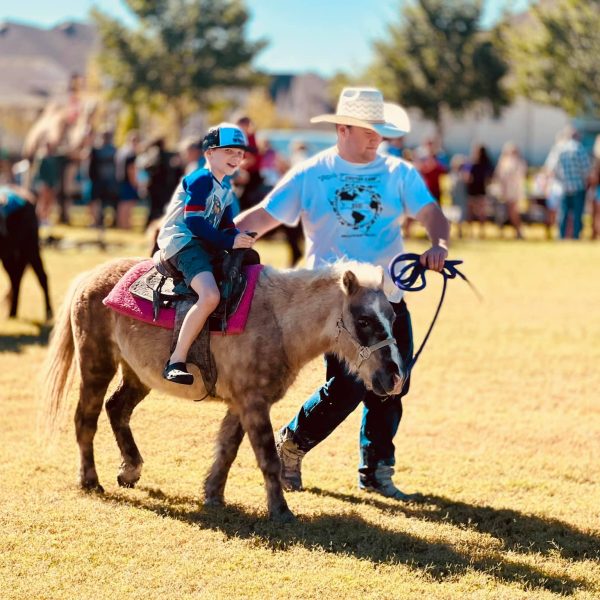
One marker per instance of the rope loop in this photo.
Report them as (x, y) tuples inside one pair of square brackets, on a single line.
[(408, 274)]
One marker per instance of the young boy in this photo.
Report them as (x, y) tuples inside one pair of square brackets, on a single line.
[(198, 223)]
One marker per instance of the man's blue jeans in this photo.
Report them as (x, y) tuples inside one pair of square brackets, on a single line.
[(572, 204), (343, 392)]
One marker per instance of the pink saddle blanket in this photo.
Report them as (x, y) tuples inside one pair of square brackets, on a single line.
[(121, 300)]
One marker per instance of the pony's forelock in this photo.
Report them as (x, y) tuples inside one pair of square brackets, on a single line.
[(368, 275)]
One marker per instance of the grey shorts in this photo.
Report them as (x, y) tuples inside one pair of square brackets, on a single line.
[(192, 259)]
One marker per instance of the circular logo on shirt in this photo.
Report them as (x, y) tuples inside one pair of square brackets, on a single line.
[(356, 206)]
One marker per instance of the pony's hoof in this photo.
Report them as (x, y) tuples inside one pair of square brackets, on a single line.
[(129, 475), (214, 501), (286, 516), (124, 483), (91, 486)]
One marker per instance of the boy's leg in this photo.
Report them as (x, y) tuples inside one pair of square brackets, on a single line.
[(205, 286)]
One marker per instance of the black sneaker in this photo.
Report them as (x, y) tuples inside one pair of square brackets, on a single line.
[(177, 373)]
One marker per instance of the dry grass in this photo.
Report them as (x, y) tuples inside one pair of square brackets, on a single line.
[(501, 431)]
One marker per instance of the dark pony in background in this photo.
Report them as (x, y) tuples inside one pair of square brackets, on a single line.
[(295, 316), (20, 248)]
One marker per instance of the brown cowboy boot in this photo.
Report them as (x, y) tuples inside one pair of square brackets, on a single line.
[(290, 457)]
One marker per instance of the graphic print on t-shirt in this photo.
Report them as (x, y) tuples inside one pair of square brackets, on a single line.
[(214, 208), (356, 203)]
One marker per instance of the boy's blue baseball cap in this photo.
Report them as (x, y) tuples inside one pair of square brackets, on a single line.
[(225, 135)]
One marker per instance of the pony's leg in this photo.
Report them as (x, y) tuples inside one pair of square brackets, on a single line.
[(95, 379), (15, 274), (254, 416), (230, 437), (120, 405), (38, 268)]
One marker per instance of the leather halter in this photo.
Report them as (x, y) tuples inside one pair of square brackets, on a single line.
[(362, 352)]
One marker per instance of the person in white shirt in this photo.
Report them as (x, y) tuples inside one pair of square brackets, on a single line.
[(350, 200)]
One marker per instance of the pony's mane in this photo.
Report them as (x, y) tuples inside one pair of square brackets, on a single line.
[(368, 275)]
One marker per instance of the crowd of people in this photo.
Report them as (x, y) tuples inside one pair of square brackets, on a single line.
[(507, 193), (472, 189), (112, 180)]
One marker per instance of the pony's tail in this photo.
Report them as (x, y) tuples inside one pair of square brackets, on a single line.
[(59, 367)]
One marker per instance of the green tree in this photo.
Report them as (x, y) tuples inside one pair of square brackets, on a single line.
[(554, 54), (437, 57), (179, 53)]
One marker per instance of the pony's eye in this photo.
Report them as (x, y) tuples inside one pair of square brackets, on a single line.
[(362, 322)]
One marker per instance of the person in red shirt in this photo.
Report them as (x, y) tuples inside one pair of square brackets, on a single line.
[(431, 168), (249, 173)]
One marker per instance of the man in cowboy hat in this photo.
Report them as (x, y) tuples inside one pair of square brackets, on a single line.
[(350, 200)]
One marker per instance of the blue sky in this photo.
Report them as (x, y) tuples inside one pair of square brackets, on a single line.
[(321, 36)]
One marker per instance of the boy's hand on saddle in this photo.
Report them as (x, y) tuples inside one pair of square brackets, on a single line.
[(243, 240), (434, 258)]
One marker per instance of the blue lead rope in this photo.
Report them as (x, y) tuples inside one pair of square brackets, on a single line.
[(408, 274)]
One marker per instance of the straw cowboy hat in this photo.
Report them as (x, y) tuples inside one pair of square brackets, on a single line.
[(364, 107)]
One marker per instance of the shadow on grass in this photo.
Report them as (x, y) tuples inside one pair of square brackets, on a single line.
[(518, 532), (18, 341), (350, 535)]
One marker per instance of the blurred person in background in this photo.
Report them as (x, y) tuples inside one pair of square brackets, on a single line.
[(595, 190), (481, 171), (158, 178), (459, 177), (46, 181), (431, 168), (103, 177), (546, 194), (272, 167), (393, 146), (249, 177), (127, 179), (569, 163), (191, 155), (510, 176)]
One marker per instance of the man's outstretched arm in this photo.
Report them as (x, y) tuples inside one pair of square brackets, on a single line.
[(438, 230), (256, 219)]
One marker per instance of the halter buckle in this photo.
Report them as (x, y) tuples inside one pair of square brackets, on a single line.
[(364, 352)]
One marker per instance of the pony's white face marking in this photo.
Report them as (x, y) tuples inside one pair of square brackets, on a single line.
[(387, 327)]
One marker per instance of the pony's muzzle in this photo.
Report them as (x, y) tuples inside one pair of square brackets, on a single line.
[(398, 385), (388, 381)]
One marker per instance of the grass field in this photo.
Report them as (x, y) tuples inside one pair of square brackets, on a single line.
[(501, 431)]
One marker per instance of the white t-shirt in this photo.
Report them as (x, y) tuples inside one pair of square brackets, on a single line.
[(350, 210)]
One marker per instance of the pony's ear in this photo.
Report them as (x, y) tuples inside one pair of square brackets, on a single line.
[(381, 271), (350, 282)]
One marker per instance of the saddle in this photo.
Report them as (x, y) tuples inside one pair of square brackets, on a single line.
[(164, 287)]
